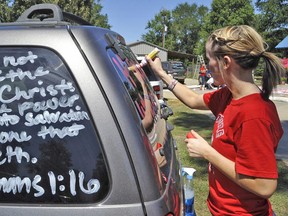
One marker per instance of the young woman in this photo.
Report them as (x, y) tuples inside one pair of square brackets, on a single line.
[(242, 164)]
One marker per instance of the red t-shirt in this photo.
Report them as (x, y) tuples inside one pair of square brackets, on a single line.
[(246, 131), (202, 71)]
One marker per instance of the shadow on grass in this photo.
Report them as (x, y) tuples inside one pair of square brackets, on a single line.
[(202, 124), (283, 177), (193, 121)]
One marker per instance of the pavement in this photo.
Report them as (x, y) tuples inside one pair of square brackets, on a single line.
[(279, 97)]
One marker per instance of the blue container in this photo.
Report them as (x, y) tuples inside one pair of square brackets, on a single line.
[(187, 174), (189, 207)]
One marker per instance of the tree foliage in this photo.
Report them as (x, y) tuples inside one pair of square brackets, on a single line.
[(87, 9), (225, 13), (5, 11), (156, 28), (183, 26), (272, 20), (273, 14), (190, 25), (188, 20)]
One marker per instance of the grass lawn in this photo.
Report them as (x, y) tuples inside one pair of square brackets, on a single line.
[(185, 119)]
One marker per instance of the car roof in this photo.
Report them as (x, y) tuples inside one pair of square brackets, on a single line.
[(45, 15)]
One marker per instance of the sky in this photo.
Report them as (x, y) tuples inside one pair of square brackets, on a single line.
[(130, 17)]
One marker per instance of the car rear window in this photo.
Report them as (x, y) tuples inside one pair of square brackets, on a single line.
[(150, 74), (165, 65), (49, 151), (138, 86), (178, 65)]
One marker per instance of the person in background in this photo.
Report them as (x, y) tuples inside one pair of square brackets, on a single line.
[(242, 164), (210, 82), (202, 76)]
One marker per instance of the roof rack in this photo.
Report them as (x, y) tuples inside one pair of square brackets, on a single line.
[(49, 13)]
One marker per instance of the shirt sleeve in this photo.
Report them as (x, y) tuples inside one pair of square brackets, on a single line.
[(255, 149), (217, 100)]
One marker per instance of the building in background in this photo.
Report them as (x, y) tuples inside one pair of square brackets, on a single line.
[(142, 48)]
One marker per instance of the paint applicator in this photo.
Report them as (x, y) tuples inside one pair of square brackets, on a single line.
[(152, 55)]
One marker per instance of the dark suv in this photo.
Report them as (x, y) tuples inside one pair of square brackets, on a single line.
[(80, 133), (176, 69)]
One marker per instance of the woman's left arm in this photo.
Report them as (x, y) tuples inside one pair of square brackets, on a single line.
[(262, 187), (198, 147)]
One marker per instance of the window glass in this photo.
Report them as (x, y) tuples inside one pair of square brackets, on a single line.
[(165, 65), (146, 104), (178, 65), (150, 74), (138, 86), (49, 151)]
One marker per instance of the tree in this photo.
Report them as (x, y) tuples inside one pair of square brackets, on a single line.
[(273, 13), (97, 18), (272, 20), (187, 22), (224, 13), (156, 29), (183, 26), (4, 11), (87, 9)]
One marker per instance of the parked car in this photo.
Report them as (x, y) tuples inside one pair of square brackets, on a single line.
[(176, 69), (80, 133)]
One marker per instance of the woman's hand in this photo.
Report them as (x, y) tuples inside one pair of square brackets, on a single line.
[(197, 146), (156, 66)]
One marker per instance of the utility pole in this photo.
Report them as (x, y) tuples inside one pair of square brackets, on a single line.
[(165, 16), (163, 35)]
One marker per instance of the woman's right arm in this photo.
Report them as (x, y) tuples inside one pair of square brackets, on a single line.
[(187, 96)]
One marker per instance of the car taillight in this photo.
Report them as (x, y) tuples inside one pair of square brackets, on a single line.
[(158, 145), (156, 88)]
